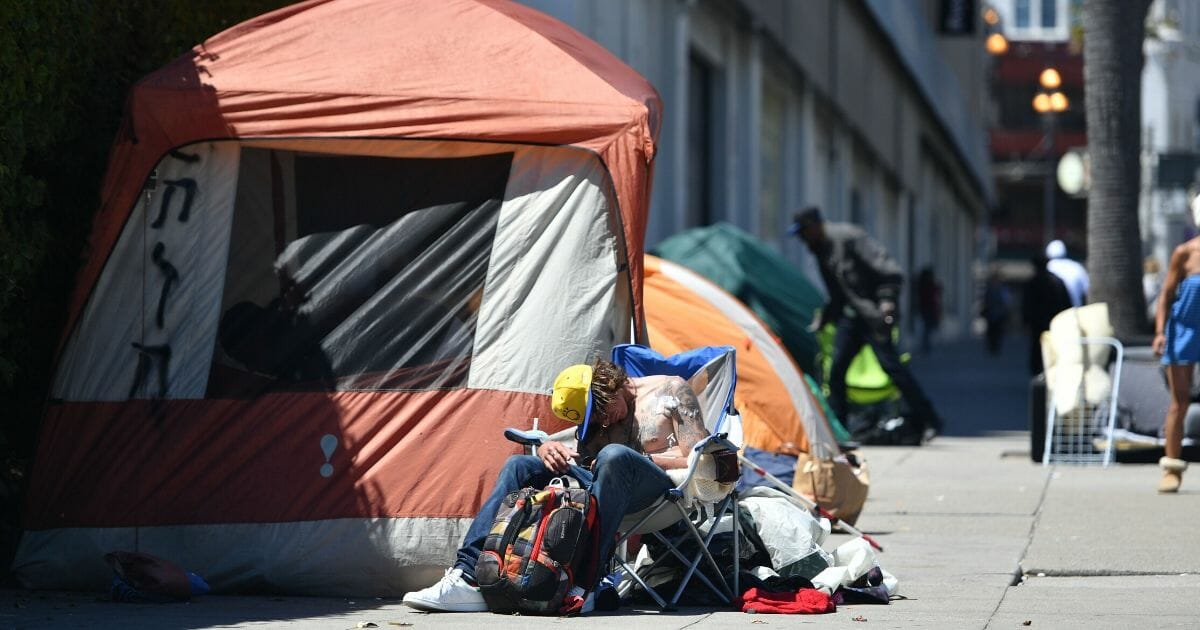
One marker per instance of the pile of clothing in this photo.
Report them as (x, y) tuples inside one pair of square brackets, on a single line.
[(784, 568)]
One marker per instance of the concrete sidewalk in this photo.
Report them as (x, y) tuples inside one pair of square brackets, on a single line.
[(979, 536)]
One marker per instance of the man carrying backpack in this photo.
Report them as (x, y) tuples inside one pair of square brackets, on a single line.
[(630, 431)]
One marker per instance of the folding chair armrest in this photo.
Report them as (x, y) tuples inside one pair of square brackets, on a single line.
[(711, 444), (715, 442)]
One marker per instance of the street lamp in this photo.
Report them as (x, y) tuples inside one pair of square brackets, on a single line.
[(1049, 102), (1050, 79), (996, 44)]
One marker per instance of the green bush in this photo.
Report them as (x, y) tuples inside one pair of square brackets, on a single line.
[(65, 68)]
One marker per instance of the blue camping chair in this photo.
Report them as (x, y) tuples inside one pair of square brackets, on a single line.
[(705, 492)]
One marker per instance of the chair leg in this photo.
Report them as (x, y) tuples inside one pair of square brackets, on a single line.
[(721, 588), (631, 571), (737, 552), (683, 560), (646, 587), (691, 563), (703, 544)]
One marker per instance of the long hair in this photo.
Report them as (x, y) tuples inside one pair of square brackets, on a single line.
[(607, 381)]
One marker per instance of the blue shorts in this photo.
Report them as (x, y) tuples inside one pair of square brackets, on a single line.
[(1183, 325)]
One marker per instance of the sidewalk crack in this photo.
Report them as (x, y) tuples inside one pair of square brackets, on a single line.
[(1017, 573)]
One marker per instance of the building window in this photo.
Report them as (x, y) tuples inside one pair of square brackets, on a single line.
[(771, 156), (1022, 9), (1049, 13), (856, 209), (701, 131)]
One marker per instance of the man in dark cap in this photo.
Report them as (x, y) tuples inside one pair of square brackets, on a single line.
[(864, 283)]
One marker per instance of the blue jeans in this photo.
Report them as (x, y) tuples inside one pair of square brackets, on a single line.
[(625, 482)]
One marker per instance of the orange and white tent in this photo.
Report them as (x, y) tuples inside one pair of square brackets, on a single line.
[(779, 414), (685, 310), (341, 246)]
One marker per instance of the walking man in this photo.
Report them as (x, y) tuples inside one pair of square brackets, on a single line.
[(864, 283)]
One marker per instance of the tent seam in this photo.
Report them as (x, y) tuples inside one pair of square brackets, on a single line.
[(634, 108)]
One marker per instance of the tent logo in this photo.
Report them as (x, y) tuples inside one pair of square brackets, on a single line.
[(328, 445)]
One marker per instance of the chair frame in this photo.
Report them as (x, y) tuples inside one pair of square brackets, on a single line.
[(676, 499)]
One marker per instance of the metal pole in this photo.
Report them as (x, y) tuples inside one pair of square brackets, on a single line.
[(1049, 183), (806, 502)]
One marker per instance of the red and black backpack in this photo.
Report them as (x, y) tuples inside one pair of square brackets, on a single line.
[(543, 543)]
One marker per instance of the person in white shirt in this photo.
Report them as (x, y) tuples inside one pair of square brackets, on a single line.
[(1073, 274)]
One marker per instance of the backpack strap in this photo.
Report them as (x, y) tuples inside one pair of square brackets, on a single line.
[(566, 482)]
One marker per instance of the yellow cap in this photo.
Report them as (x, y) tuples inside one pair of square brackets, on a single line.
[(572, 395)]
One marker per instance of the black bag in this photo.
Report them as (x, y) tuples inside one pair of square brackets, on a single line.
[(543, 543)]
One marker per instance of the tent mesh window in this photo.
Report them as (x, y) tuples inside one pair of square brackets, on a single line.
[(350, 272)]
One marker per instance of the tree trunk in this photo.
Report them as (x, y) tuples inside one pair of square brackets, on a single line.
[(1112, 76)]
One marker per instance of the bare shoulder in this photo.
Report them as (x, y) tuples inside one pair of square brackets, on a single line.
[(661, 384), (685, 404), (654, 381), (658, 385), (1187, 247), (1186, 257)]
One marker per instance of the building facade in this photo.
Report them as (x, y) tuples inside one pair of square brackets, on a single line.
[(871, 109), (1026, 145), (1047, 33), (1170, 126)]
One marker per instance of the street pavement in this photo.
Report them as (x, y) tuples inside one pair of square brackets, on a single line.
[(978, 535)]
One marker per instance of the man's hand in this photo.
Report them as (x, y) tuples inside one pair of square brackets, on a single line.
[(1160, 344), (887, 308), (556, 456)]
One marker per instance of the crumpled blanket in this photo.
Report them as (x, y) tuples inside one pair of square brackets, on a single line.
[(806, 601)]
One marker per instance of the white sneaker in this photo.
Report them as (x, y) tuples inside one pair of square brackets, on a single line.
[(450, 594)]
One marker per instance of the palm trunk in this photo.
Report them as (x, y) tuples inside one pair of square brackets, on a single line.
[(1112, 74)]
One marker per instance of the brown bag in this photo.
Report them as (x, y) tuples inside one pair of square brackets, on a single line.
[(836, 486)]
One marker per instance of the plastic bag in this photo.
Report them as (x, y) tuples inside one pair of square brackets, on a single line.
[(141, 577)]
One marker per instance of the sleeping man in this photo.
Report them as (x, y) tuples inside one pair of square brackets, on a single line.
[(630, 431)]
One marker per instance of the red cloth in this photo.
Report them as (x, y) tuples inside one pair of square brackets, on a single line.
[(806, 601)]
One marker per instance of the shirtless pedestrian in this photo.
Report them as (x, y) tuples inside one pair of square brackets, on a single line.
[(1177, 339), (630, 431)]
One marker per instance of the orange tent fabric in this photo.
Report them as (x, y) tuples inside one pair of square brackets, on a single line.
[(391, 69), (297, 486), (775, 417)]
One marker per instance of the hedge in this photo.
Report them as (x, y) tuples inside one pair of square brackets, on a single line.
[(65, 68)]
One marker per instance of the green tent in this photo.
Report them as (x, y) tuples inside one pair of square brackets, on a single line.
[(775, 289)]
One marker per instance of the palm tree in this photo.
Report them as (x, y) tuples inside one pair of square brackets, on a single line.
[(1112, 75)]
